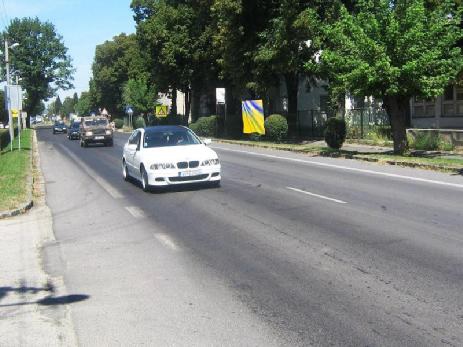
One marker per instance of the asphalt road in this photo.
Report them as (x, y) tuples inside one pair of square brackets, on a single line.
[(291, 250)]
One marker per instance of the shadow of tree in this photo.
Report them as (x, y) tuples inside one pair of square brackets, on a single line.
[(49, 300)]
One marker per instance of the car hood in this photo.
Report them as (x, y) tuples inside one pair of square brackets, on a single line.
[(174, 154)]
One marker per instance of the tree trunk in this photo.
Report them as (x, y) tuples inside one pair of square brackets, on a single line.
[(173, 109), (292, 88), (397, 109), (195, 104), (187, 106)]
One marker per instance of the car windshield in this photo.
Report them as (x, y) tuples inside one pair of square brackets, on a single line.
[(59, 123), (165, 138), (75, 125), (95, 122)]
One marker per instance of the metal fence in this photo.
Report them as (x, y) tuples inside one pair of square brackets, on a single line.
[(363, 120), (360, 121)]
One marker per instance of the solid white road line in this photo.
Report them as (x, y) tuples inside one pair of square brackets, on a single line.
[(316, 195), (102, 182), (166, 241), (135, 211), (309, 162)]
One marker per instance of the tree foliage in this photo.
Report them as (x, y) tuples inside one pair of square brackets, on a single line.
[(115, 62), (140, 95), (393, 51), (41, 60)]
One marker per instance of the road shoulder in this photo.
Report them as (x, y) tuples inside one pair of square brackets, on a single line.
[(33, 303)]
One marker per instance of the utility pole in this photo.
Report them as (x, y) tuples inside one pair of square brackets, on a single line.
[(8, 91), (8, 103)]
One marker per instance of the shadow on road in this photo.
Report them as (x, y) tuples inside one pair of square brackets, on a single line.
[(49, 300)]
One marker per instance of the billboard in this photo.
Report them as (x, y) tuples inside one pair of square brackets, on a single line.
[(253, 117)]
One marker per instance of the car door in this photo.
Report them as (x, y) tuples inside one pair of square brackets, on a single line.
[(130, 149), (137, 156)]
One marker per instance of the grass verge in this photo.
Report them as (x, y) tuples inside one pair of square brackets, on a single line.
[(445, 162), (14, 171)]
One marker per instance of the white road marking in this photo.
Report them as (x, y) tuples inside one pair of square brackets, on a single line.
[(316, 195), (309, 162), (167, 241), (101, 181), (135, 211)]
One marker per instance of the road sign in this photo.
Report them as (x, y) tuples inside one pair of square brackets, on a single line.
[(161, 111), (14, 113)]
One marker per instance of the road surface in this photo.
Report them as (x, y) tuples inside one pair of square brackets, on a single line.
[(291, 250)]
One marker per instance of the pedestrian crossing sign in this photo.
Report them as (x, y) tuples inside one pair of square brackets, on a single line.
[(161, 111), (15, 113)]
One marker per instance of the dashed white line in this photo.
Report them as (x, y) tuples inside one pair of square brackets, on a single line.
[(166, 241), (372, 172), (102, 182), (316, 195), (135, 211)]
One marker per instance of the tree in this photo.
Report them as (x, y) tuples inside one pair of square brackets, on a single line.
[(115, 62), (41, 59), (57, 106), (85, 104), (139, 95), (68, 106), (394, 50), (177, 36)]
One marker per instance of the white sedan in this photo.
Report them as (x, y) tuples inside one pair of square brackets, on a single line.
[(169, 155)]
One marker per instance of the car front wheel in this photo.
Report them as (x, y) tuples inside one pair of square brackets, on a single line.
[(125, 171), (144, 180)]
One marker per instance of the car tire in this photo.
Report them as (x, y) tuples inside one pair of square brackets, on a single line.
[(144, 180), (110, 143), (125, 171)]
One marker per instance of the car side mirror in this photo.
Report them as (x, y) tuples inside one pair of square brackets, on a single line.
[(207, 141)]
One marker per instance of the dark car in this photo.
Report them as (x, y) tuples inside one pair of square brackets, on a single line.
[(74, 131), (59, 127)]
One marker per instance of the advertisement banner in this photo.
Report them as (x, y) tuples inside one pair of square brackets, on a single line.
[(253, 117)]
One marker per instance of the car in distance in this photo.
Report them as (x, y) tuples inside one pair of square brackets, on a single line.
[(95, 129), (74, 131), (169, 155), (59, 127)]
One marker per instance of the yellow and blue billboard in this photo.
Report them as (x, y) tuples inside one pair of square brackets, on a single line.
[(253, 117)]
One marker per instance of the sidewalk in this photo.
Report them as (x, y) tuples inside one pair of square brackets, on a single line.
[(32, 303)]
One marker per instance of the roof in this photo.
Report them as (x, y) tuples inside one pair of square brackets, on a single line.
[(159, 128)]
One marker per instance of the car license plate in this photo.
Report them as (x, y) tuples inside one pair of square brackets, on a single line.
[(99, 137), (189, 173)]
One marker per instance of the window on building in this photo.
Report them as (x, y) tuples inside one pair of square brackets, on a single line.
[(452, 102), (424, 108)]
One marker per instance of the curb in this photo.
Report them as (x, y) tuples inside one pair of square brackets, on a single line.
[(24, 207), (353, 156)]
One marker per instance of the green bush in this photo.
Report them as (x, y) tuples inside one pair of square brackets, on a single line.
[(276, 127), (429, 141), (139, 122), (118, 123), (335, 132), (205, 126)]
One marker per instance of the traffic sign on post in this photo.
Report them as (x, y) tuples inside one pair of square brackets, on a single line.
[(161, 111)]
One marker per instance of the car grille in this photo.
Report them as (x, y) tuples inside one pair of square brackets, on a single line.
[(188, 178), (186, 165), (99, 131)]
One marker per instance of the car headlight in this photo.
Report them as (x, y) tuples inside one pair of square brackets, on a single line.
[(210, 162), (108, 132), (162, 166), (88, 133)]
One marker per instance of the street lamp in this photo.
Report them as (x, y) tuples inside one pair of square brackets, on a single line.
[(10, 117)]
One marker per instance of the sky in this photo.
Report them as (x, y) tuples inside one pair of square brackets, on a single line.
[(83, 24)]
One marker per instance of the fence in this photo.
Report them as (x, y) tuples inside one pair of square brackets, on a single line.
[(360, 121)]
